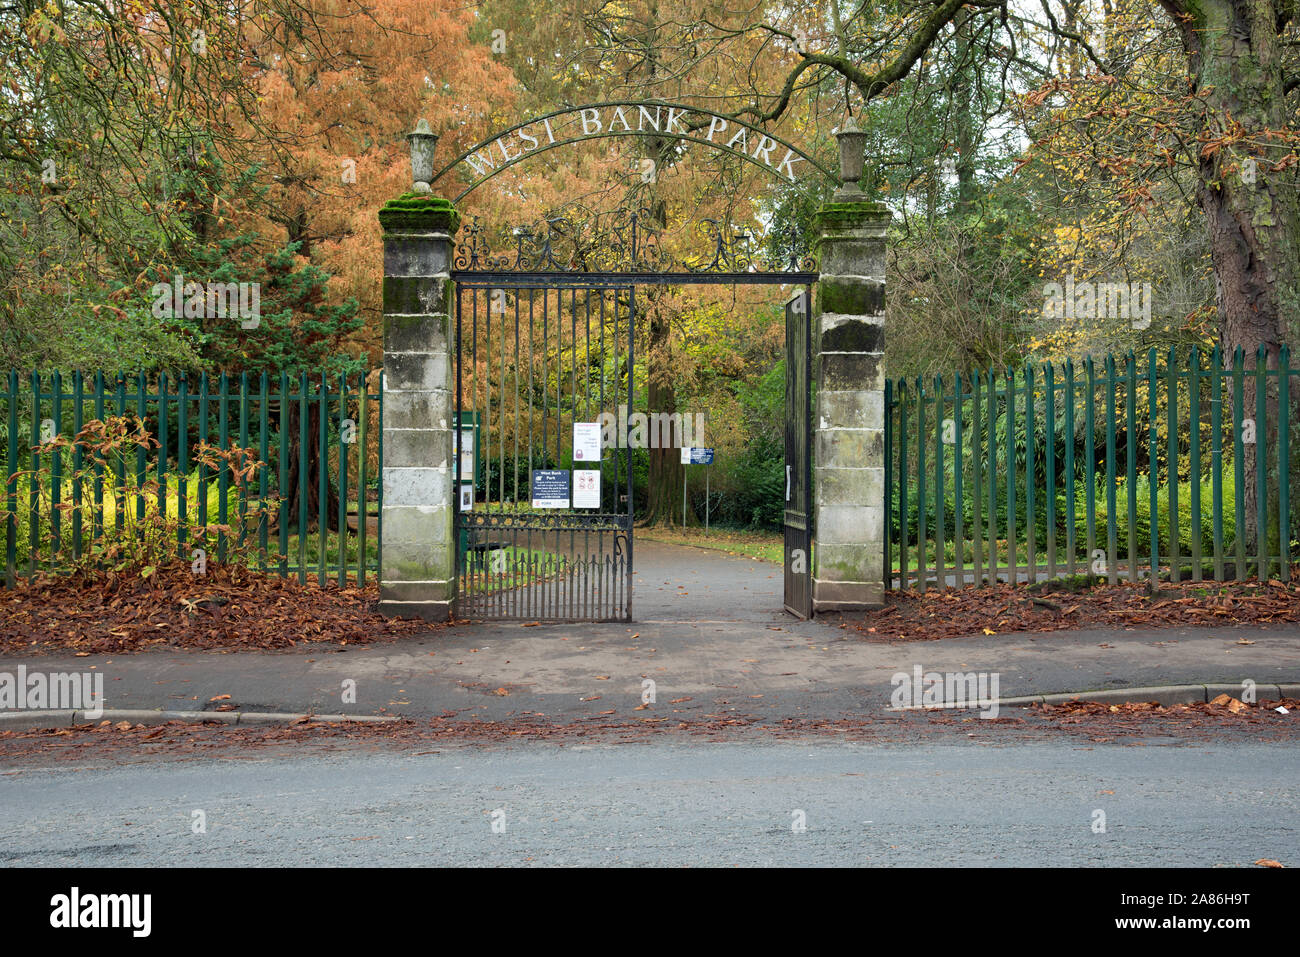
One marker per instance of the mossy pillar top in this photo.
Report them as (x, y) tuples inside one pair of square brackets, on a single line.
[(849, 474), (417, 562)]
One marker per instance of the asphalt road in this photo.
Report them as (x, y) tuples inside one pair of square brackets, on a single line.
[(666, 802)]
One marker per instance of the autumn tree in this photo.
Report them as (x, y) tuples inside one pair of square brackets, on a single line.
[(645, 51), (1230, 105)]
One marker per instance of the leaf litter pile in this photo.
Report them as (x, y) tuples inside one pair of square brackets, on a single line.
[(1262, 722), (229, 607), (1002, 608), (1223, 719), (1221, 706)]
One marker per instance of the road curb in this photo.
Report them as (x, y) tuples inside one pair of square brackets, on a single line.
[(1165, 695), (1161, 694), (51, 720)]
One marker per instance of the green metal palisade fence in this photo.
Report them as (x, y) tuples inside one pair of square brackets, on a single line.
[(1065, 470), (179, 413)]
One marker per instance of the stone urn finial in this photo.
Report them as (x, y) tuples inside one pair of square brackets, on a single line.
[(423, 142), (853, 144)]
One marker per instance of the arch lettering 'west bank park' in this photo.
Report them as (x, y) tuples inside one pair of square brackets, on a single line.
[(511, 357), (684, 123)]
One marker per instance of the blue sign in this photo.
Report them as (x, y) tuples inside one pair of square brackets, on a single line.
[(701, 457), (550, 488)]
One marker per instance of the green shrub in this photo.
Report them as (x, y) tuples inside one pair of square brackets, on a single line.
[(1140, 520), (129, 522)]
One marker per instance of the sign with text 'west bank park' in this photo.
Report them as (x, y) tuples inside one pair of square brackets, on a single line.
[(550, 488), (575, 124)]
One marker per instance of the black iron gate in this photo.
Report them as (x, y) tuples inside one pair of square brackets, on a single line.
[(798, 460), (544, 528), (544, 343)]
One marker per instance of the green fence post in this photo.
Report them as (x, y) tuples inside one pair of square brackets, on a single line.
[(1239, 458), (322, 498), (1049, 380), (1112, 543), (1171, 426), (958, 465), (889, 440), (163, 428), (97, 530), (120, 486), (1031, 477), (1130, 448), (263, 480), (56, 473), (11, 483), (78, 459), (977, 467), (904, 525), (1071, 515), (1261, 465), (363, 506), (1216, 456), (141, 453), (940, 507), (282, 489), (343, 482), (1013, 562), (33, 500), (1284, 463), (243, 444), (182, 466), (1154, 467), (302, 479), (203, 469), (922, 531), (223, 469), (1090, 465), (993, 471), (1194, 459)]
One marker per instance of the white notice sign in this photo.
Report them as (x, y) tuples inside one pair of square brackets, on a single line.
[(586, 488), (586, 442), (462, 444)]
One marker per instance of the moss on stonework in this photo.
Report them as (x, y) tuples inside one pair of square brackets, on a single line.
[(865, 206), (414, 200), (419, 211), (851, 299), (841, 215)]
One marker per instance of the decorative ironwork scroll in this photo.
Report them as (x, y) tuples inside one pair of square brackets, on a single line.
[(627, 242)]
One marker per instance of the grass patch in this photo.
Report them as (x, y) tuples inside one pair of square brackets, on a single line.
[(762, 546)]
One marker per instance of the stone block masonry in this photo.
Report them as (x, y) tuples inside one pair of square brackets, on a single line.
[(417, 570), (849, 423)]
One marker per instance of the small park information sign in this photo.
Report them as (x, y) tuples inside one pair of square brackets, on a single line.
[(697, 456), (550, 488)]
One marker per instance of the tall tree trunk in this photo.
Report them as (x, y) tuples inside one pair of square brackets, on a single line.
[(666, 478), (963, 104), (1251, 213), (307, 487), (667, 475)]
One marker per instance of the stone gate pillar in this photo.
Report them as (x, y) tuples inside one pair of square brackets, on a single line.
[(849, 436), (417, 562)]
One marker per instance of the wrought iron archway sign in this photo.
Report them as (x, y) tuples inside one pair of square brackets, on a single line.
[(691, 124)]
